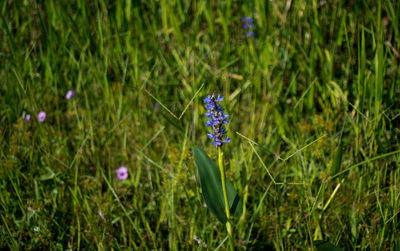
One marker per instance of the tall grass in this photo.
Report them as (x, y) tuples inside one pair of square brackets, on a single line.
[(318, 78)]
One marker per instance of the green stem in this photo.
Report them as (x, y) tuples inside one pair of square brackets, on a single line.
[(222, 171)]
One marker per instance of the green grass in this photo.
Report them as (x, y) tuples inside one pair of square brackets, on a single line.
[(314, 105)]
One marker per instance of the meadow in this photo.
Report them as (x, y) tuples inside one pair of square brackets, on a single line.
[(313, 96)]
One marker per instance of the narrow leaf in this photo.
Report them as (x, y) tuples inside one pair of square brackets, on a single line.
[(210, 181), (337, 160)]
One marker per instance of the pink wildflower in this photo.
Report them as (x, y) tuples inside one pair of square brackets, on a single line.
[(70, 94), (41, 116), (122, 173), (102, 215)]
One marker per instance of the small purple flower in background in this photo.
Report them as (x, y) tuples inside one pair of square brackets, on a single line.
[(217, 118), (248, 22), (102, 215), (156, 106), (250, 33), (41, 116), (248, 25), (199, 241), (27, 117), (70, 94), (122, 173)]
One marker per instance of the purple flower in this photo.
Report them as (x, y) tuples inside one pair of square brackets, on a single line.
[(27, 117), (250, 33), (216, 120), (156, 106), (70, 94), (247, 22), (199, 241), (122, 173), (102, 215), (41, 116), (248, 25)]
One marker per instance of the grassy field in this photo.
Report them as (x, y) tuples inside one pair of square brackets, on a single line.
[(314, 107)]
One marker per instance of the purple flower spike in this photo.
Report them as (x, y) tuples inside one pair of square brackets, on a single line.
[(247, 20), (227, 140), (70, 94), (122, 173), (216, 120), (248, 25), (27, 118), (41, 116), (250, 34)]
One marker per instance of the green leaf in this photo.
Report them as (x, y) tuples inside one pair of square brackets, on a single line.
[(210, 181), (337, 160), (397, 247), (49, 175), (325, 246)]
